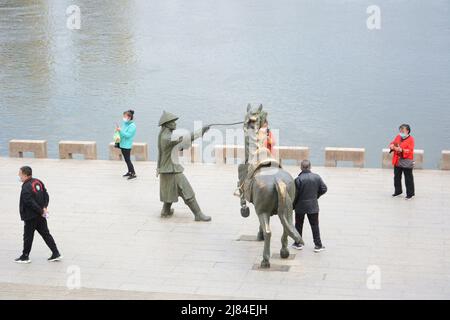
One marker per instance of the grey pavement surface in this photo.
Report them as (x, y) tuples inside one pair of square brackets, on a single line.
[(110, 228)]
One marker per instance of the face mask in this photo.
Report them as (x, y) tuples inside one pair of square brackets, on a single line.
[(403, 135), (18, 178), (125, 120)]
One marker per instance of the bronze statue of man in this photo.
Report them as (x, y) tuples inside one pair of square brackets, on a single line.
[(173, 183)]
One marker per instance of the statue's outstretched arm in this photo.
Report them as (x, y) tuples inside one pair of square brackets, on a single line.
[(199, 133), (185, 141)]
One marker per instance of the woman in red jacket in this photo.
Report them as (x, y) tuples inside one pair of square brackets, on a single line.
[(403, 161)]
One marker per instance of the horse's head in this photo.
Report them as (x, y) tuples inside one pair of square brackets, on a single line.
[(255, 118)]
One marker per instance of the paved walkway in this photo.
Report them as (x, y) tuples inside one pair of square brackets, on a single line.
[(110, 229)]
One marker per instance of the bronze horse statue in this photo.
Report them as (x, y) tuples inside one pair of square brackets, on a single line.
[(264, 183)]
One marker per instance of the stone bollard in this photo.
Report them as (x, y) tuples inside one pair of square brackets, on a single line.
[(386, 161), (445, 161), (355, 155), (223, 153), (290, 153), (86, 148), (191, 155), (18, 147), (139, 150)]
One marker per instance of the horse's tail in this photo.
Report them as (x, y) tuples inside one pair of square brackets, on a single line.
[(285, 211)]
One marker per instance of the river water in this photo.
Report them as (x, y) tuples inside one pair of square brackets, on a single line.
[(323, 76)]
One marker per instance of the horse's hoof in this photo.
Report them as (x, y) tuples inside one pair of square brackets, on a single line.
[(245, 212), (265, 264), (284, 253)]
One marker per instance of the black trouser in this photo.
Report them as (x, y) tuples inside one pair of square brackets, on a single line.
[(313, 221), (40, 225), (409, 181), (127, 157)]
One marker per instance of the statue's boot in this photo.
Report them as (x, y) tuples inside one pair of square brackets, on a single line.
[(199, 216), (166, 210)]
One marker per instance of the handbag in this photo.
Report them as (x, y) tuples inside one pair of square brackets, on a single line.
[(406, 163), (116, 139)]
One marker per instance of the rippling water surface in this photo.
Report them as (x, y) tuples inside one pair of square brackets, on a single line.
[(325, 79)]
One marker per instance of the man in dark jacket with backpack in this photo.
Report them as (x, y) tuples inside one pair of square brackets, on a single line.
[(34, 200), (309, 187)]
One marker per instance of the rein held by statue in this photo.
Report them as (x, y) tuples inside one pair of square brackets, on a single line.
[(225, 124)]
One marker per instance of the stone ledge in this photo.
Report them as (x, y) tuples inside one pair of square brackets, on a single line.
[(291, 153), (86, 148), (223, 153), (139, 150), (445, 160), (18, 147), (355, 155), (386, 161)]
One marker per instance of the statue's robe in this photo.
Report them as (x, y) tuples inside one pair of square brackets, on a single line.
[(172, 182)]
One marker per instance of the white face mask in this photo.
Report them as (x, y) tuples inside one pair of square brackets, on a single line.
[(19, 178), (125, 120)]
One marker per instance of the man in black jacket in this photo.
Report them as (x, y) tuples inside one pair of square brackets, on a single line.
[(309, 187), (34, 200)]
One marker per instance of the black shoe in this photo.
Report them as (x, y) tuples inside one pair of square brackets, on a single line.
[(319, 248), (126, 175), (409, 197), (297, 246), (55, 257), (396, 194), (23, 259), (132, 176)]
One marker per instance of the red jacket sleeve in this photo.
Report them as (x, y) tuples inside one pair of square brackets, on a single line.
[(396, 140), (408, 148)]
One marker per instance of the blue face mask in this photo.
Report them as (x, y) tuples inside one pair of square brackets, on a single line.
[(403, 135)]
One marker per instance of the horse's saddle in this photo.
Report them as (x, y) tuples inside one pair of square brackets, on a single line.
[(246, 173)]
